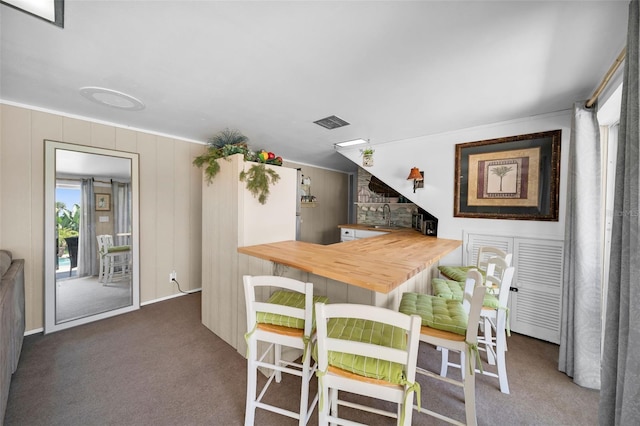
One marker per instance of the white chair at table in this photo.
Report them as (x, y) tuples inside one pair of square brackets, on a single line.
[(111, 258), (494, 316), (286, 319), (463, 339), (350, 335)]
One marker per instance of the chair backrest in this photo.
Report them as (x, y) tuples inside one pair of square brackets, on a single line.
[(473, 319), (487, 252), (410, 324), (501, 280), (474, 279), (104, 242), (253, 306)]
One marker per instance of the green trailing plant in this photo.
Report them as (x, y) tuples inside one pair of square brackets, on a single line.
[(230, 142), (222, 145), (258, 179)]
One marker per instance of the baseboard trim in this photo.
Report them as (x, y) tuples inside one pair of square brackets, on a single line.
[(172, 296)]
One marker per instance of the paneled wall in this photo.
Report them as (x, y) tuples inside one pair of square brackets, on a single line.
[(170, 199)]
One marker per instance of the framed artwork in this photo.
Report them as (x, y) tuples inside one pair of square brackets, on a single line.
[(103, 202), (515, 177)]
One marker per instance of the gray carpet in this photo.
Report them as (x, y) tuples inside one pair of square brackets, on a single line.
[(161, 366), (81, 297)]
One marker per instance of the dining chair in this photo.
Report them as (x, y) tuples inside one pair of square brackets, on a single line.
[(451, 325), (112, 259), (494, 321), (366, 350), (285, 319)]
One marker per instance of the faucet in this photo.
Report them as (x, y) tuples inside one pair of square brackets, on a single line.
[(386, 214)]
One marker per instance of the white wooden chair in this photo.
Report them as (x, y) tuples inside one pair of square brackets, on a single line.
[(464, 340), (115, 261), (284, 320), (354, 341), (459, 273), (494, 317)]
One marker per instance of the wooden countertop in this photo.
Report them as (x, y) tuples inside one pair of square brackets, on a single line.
[(379, 263)]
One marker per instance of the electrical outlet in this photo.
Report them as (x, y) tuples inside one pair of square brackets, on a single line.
[(173, 276)]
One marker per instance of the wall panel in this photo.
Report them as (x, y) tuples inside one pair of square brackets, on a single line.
[(22, 193)]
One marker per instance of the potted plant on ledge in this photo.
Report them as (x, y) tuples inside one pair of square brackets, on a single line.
[(230, 142)]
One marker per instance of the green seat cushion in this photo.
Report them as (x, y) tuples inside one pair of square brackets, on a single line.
[(458, 273), (453, 290), (116, 249), (287, 298), (436, 312), (366, 331)]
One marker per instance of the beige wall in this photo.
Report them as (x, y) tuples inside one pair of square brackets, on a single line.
[(331, 189), (170, 199)]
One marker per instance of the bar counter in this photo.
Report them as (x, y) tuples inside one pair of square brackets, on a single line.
[(379, 264)]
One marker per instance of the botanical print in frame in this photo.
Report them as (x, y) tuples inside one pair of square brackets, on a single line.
[(103, 202), (515, 177)]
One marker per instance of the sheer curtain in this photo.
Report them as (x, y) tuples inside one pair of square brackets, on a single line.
[(121, 210), (87, 244), (620, 393), (581, 295)]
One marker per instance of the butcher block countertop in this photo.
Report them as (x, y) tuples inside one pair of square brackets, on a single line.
[(379, 263)]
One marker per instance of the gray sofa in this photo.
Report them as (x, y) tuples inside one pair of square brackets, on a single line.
[(12, 321)]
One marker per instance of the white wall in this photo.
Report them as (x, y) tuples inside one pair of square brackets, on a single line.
[(435, 155)]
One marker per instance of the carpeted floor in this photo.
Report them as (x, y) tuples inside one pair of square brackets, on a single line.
[(161, 366)]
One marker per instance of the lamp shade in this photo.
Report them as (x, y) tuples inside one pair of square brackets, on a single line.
[(415, 174)]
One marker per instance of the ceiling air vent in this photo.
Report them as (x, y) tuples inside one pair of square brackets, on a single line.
[(331, 122)]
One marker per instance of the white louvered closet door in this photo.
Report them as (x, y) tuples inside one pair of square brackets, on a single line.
[(535, 302), (536, 299)]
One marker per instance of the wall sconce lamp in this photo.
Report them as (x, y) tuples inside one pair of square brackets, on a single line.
[(418, 178)]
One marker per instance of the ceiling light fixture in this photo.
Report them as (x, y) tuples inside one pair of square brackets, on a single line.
[(112, 98), (351, 143)]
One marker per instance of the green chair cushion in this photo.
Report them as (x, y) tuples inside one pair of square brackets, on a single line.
[(458, 273), (116, 249), (287, 298), (436, 312), (366, 331), (453, 290)]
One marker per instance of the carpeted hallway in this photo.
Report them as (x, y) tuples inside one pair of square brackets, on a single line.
[(161, 366)]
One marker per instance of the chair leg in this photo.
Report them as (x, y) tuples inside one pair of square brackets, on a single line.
[(277, 353), (501, 348), (488, 342), (304, 390), (469, 384), (101, 271), (444, 363), (252, 379), (333, 395)]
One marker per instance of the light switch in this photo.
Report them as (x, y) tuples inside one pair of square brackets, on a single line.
[(103, 218)]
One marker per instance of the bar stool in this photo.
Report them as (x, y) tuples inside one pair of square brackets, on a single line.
[(285, 319), (451, 325), (493, 316), (366, 350)]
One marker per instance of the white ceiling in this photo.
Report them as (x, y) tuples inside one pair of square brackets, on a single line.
[(393, 69)]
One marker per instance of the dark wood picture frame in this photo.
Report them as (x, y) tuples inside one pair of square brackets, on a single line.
[(515, 177), (103, 202)]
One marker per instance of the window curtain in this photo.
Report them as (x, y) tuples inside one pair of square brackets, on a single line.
[(121, 210), (581, 324), (87, 244), (620, 392)]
